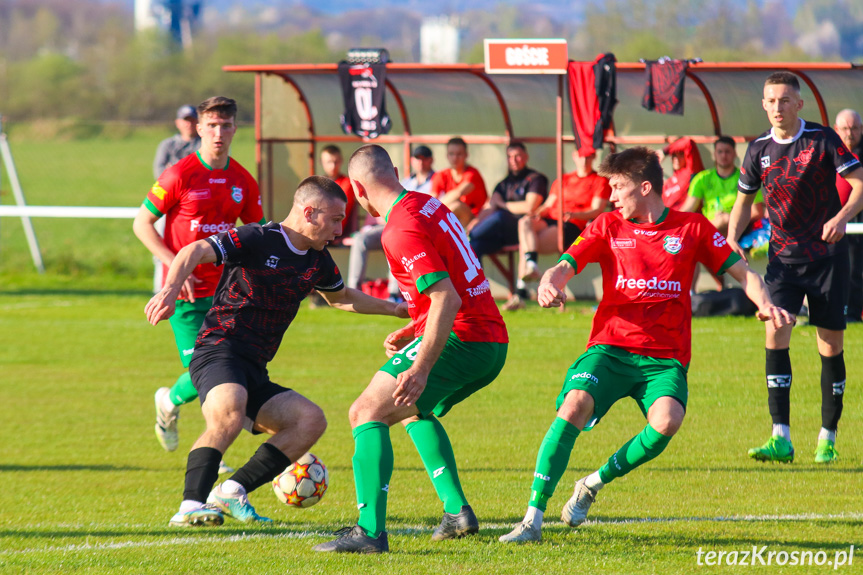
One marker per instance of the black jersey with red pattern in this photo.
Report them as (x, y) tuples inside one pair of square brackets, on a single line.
[(263, 282), (799, 179)]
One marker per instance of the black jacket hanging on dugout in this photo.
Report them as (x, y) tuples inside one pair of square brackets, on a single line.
[(364, 91), (664, 82)]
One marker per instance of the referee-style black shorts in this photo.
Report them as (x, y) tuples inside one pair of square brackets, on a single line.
[(824, 282), (213, 365)]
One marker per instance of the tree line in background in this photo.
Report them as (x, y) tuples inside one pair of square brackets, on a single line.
[(82, 59)]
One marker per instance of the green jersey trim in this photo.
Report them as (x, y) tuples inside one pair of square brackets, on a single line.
[(153, 209), (263, 221), (659, 221), (732, 259), (428, 280), (398, 199), (569, 259), (206, 165)]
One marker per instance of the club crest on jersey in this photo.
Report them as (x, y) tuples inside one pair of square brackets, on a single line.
[(672, 244), (237, 194), (272, 262), (804, 157), (765, 162)]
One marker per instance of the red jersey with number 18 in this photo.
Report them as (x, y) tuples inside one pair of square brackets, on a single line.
[(647, 273), (424, 243)]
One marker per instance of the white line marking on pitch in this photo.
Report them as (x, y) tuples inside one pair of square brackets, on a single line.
[(414, 530)]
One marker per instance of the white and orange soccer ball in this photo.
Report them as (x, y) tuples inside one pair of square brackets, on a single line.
[(303, 483)]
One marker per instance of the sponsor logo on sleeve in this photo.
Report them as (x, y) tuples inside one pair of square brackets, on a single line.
[(621, 243), (408, 263), (237, 194), (719, 240), (672, 244), (158, 191)]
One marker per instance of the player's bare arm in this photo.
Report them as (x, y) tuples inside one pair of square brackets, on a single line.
[(144, 227), (161, 306), (399, 338), (756, 291), (445, 303), (740, 216), (552, 285), (834, 228), (349, 299), (465, 187)]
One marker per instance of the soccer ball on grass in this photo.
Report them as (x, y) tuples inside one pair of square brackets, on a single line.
[(303, 483)]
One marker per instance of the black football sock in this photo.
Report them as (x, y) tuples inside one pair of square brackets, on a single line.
[(778, 366), (267, 462), (202, 471), (832, 390)]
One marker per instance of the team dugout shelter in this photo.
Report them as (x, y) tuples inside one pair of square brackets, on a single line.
[(298, 108)]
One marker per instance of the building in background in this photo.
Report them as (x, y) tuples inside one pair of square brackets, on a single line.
[(439, 40), (178, 17)]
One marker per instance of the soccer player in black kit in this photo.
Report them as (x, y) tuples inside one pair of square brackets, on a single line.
[(268, 271), (796, 162)]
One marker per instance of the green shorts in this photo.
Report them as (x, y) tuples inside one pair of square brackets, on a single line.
[(462, 369), (609, 373), (186, 323)]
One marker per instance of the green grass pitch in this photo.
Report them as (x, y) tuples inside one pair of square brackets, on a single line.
[(86, 487)]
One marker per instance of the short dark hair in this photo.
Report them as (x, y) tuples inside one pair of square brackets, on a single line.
[(725, 140), (458, 142), (332, 150), (517, 145), (786, 78), (318, 187), (639, 164), (220, 105)]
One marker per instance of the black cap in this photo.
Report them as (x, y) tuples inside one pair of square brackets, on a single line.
[(422, 152)]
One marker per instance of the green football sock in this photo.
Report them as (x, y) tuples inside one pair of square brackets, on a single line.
[(551, 461), (183, 391), (435, 450), (637, 451), (373, 469)]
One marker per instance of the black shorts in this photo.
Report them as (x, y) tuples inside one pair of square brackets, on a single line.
[(570, 231), (214, 365), (824, 283)]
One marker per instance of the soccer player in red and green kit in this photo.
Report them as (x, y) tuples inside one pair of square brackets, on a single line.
[(639, 345), (455, 345), (201, 195)]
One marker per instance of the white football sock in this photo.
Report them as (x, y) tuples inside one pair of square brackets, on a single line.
[(233, 488), (533, 516), (190, 505), (827, 434), (593, 481), (782, 430)]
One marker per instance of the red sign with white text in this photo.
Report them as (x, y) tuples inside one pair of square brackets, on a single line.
[(526, 56)]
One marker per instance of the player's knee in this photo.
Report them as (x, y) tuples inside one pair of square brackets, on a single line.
[(667, 421), (228, 422), (577, 408), (315, 422)]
